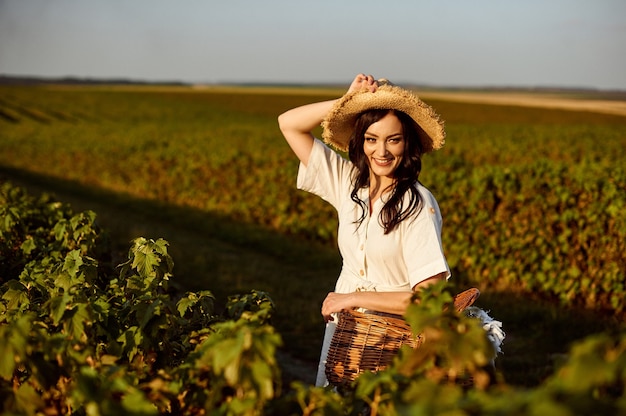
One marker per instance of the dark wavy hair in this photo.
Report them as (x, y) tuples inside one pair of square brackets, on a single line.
[(405, 176)]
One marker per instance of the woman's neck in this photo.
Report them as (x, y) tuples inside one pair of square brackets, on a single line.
[(378, 186)]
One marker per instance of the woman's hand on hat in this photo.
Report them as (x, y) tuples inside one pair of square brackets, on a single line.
[(363, 82)]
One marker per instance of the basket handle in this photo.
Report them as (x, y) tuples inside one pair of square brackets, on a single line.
[(465, 299)]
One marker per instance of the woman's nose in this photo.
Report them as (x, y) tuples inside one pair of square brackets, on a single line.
[(381, 149)]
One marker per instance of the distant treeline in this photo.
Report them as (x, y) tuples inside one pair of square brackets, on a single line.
[(70, 80), (28, 80)]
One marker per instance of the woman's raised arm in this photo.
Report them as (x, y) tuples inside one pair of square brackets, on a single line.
[(296, 124)]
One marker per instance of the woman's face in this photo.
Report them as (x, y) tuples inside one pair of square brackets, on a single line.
[(384, 145)]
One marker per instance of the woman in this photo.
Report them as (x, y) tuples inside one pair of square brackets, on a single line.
[(389, 231)]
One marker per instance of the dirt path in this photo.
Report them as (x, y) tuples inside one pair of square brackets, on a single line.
[(530, 99)]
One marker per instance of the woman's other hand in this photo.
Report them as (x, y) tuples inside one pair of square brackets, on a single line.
[(336, 302)]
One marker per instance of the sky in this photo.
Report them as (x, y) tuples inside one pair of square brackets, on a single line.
[(439, 43)]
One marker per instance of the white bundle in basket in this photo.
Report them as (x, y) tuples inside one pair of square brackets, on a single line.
[(495, 334)]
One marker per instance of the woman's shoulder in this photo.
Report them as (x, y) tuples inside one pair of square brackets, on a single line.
[(323, 152), (325, 167), (424, 192), (428, 203)]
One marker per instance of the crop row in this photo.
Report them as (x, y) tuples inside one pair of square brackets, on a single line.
[(532, 198)]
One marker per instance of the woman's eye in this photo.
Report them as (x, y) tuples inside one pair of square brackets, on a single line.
[(370, 139)]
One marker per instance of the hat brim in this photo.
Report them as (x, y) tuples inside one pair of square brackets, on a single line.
[(339, 122)]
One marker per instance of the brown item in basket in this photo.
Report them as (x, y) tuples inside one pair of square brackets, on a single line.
[(369, 341)]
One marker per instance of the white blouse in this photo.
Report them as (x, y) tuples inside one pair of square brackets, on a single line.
[(372, 260)]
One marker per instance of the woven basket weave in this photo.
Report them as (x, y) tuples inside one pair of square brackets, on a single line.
[(369, 341)]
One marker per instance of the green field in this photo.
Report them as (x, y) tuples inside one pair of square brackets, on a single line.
[(532, 201)]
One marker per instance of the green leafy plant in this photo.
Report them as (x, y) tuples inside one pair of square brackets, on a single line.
[(78, 341)]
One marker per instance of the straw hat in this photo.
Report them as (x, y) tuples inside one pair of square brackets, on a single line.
[(340, 120)]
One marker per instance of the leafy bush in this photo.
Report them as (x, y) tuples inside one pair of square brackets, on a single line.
[(32, 229), (548, 227), (77, 341)]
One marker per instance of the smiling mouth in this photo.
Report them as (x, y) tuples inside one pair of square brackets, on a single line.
[(382, 162)]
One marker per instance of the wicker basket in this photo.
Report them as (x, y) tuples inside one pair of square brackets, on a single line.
[(369, 341)]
